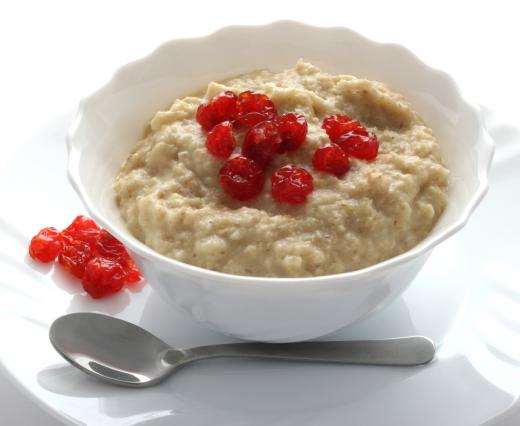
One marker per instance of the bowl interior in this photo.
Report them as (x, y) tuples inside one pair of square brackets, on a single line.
[(112, 120)]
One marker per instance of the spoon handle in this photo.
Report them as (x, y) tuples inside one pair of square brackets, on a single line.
[(414, 350)]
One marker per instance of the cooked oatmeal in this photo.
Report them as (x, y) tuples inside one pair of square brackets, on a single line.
[(169, 194)]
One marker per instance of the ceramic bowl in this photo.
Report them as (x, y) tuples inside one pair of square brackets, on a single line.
[(111, 120)]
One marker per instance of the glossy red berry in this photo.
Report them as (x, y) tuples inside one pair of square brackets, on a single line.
[(293, 130), (133, 275), (83, 248), (331, 159), (74, 256), (249, 101), (291, 184), (220, 141), (364, 147), (337, 125), (241, 178), (253, 108), (222, 107), (83, 229), (251, 119), (103, 276), (261, 142), (110, 247), (46, 245)]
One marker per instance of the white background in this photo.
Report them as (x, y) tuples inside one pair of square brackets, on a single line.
[(53, 53)]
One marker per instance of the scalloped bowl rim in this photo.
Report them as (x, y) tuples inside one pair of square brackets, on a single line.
[(140, 248)]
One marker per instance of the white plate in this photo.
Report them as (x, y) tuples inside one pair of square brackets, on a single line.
[(466, 298)]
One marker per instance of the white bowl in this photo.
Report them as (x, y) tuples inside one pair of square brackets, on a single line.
[(110, 121)]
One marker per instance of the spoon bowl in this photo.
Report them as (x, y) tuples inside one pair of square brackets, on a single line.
[(113, 349)]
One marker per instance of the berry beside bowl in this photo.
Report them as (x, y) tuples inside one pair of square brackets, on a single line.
[(110, 121)]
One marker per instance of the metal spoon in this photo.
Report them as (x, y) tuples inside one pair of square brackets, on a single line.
[(125, 354)]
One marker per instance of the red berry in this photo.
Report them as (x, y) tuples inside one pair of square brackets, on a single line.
[(46, 245), (249, 101), (80, 223), (102, 277), (336, 125), (253, 108), (293, 130), (83, 229), (222, 107), (132, 273), (241, 178), (331, 159), (291, 184), (79, 248), (74, 256), (250, 119), (110, 247), (220, 140), (261, 142), (364, 147)]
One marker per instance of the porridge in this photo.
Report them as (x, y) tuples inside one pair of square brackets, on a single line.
[(350, 209)]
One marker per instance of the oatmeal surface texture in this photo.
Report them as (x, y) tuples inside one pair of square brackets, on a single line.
[(169, 194)]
